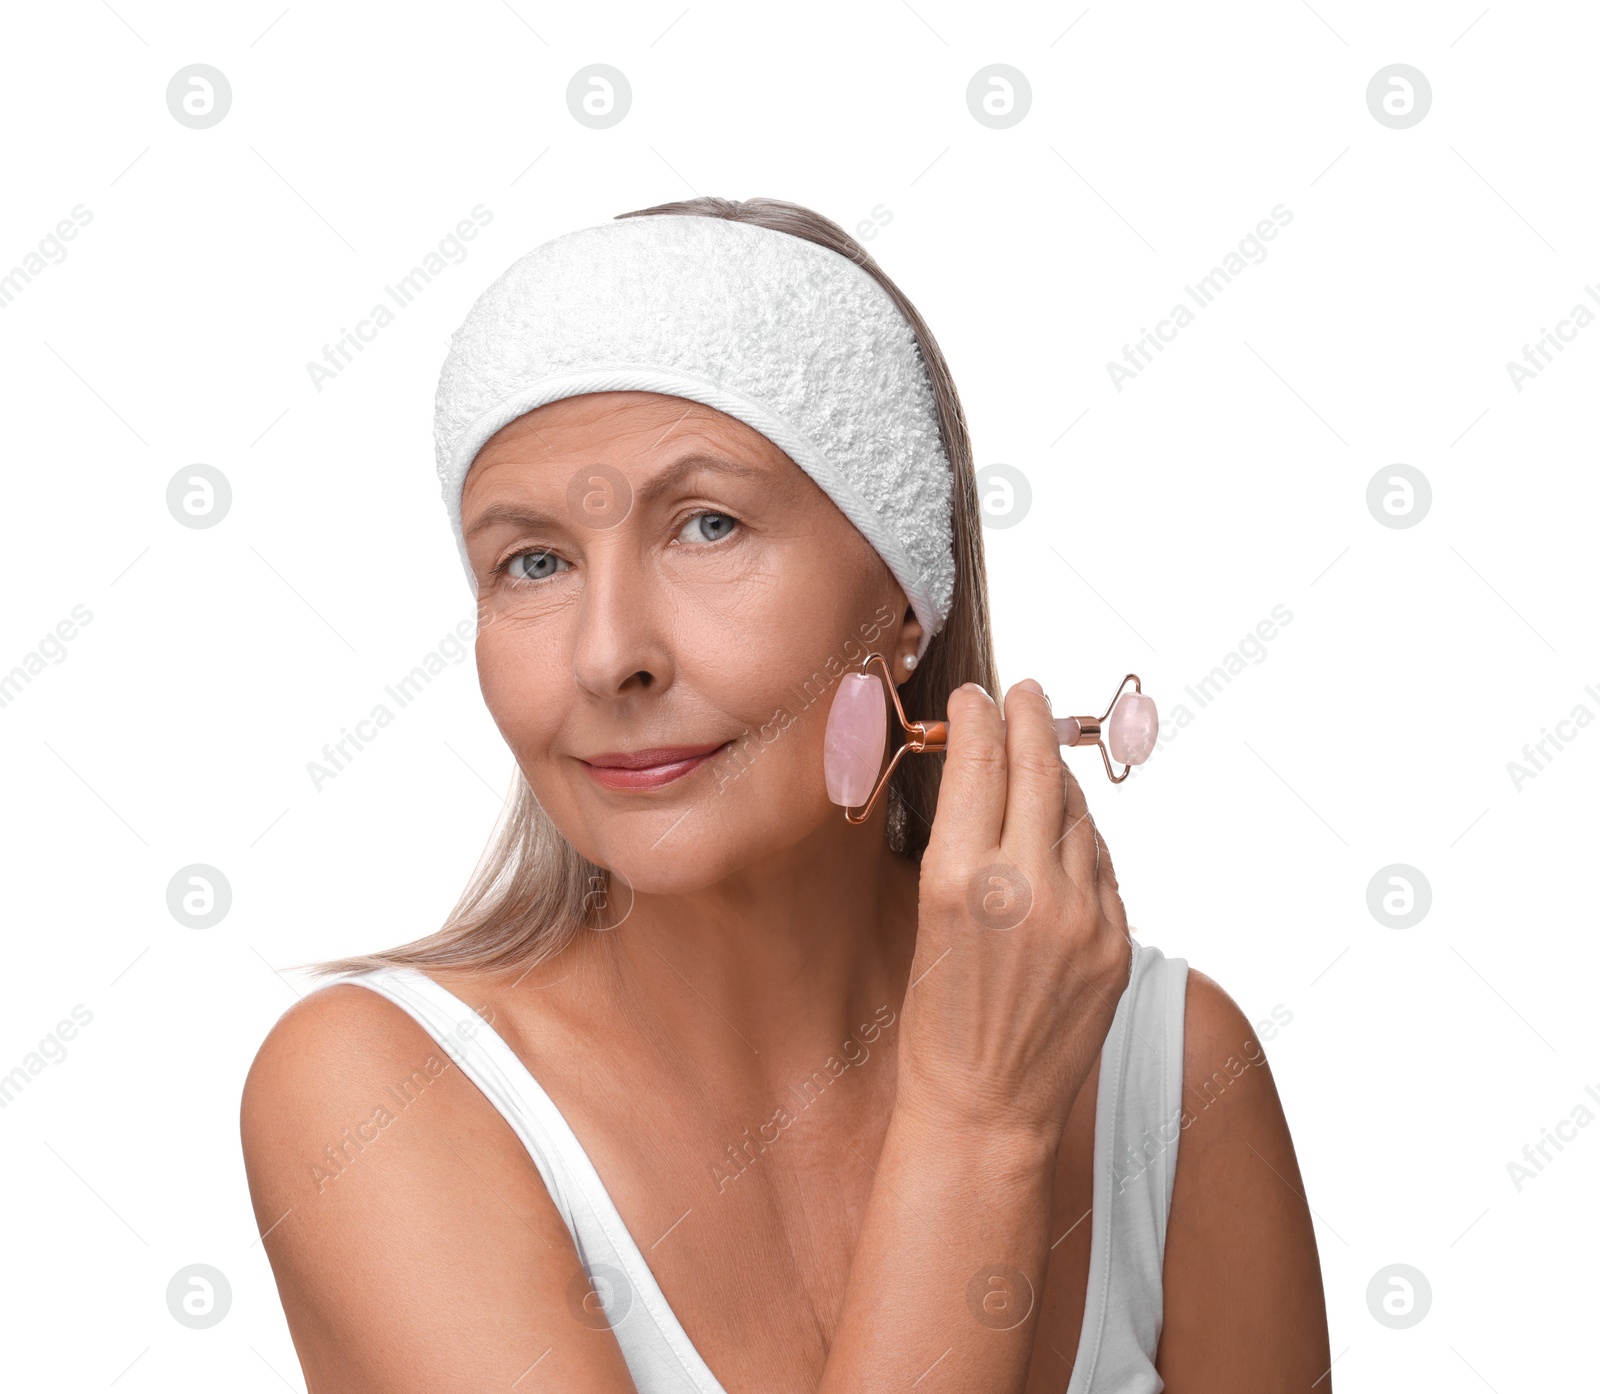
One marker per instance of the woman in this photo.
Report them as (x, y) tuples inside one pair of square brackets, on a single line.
[(704, 1087)]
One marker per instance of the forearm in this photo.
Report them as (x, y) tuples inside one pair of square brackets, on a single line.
[(945, 1285)]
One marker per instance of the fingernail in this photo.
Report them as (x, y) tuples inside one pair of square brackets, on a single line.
[(1031, 685)]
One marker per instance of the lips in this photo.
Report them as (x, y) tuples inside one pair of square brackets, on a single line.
[(648, 769)]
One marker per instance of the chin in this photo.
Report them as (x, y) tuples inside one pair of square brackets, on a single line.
[(680, 863), (657, 873), (681, 848)]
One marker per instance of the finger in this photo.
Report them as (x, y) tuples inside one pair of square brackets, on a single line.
[(1033, 775), (1077, 843), (972, 786)]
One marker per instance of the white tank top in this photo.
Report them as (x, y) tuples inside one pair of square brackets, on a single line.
[(1136, 1131)]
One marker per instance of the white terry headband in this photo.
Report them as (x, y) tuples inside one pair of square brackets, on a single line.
[(789, 337)]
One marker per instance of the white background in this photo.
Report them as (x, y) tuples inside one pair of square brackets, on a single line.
[(1168, 519)]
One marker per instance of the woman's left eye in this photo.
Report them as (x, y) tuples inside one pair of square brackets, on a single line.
[(718, 526)]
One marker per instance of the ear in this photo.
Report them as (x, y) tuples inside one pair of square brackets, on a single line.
[(905, 644)]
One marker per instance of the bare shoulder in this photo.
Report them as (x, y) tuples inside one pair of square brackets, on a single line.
[(336, 1027), (1242, 1284), (1231, 1109), (335, 1059), (414, 1244), (1220, 1049)]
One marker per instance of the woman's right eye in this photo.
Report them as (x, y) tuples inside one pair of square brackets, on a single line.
[(530, 566)]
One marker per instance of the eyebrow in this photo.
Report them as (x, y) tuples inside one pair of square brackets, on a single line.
[(665, 480)]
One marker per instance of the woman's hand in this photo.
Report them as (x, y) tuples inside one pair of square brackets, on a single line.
[(1022, 941)]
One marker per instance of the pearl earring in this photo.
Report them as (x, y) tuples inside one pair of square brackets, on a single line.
[(910, 660)]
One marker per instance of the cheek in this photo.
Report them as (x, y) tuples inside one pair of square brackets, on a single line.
[(771, 777), (768, 762), (521, 687)]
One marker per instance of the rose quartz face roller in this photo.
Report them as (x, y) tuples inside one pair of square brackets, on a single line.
[(858, 726)]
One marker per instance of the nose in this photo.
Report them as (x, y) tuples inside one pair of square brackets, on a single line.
[(619, 646)]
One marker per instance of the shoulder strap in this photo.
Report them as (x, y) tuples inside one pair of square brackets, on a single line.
[(1137, 1123), (659, 1354), (477, 1049)]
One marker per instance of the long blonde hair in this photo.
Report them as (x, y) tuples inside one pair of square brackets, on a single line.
[(532, 892)]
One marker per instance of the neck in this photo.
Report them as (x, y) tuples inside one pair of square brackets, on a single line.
[(756, 980)]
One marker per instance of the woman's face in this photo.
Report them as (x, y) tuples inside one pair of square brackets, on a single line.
[(652, 574)]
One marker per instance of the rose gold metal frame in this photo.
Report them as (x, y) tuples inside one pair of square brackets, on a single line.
[(931, 737), (1089, 728)]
